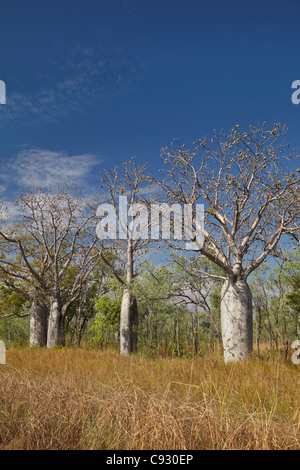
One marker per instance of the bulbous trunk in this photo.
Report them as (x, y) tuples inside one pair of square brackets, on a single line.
[(38, 323), (56, 324), (128, 324), (236, 320), (129, 312)]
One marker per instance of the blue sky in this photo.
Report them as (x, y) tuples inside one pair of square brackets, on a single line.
[(92, 83)]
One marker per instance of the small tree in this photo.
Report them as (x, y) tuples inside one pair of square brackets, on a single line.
[(83, 310), (107, 317), (293, 297)]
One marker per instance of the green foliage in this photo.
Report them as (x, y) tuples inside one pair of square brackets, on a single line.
[(10, 301), (15, 331), (171, 317), (294, 296), (276, 301), (107, 317), (293, 275)]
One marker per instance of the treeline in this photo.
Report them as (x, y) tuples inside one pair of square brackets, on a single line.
[(179, 315), (76, 271)]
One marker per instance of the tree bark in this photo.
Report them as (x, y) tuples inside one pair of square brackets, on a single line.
[(129, 312), (236, 320), (56, 324), (128, 324), (38, 323)]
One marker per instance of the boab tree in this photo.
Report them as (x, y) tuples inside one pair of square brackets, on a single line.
[(25, 277), (51, 237), (123, 232), (16, 275), (250, 197)]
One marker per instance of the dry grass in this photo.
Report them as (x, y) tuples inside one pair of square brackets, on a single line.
[(78, 399)]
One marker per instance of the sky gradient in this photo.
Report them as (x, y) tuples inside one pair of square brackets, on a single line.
[(92, 83)]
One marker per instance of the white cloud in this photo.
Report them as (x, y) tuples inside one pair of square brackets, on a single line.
[(8, 211), (84, 78), (3, 187), (46, 168)]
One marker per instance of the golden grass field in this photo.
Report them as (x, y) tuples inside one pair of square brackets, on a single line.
[(81, 399)]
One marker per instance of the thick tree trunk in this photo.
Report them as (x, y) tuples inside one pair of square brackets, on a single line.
[(236, 320), (128, 324), (56, 324), (129, 312), (38, 323)]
